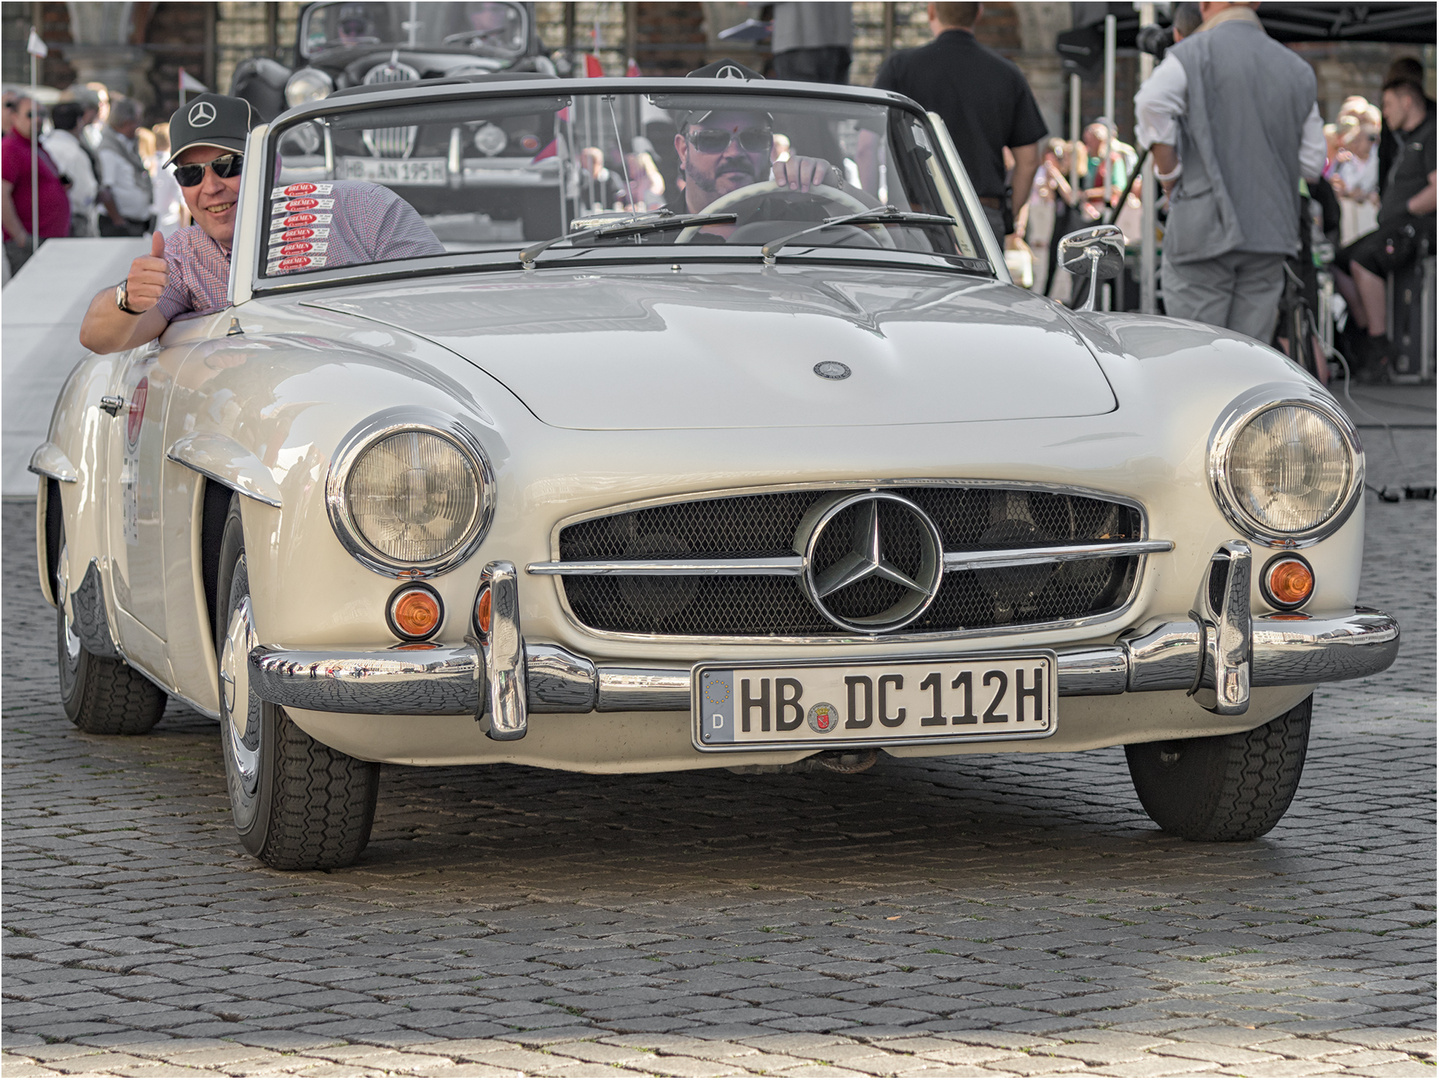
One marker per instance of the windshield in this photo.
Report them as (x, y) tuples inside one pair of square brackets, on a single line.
[(504, 173), (481, 27)]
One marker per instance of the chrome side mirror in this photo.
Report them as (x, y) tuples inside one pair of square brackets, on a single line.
[(1097, 251)]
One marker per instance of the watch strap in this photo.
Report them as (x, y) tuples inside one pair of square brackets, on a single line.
[(122, 299)]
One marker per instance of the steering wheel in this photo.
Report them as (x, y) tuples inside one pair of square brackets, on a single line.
[(756, 191)]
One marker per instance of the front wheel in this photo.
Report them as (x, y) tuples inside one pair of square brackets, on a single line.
[(1223, 787), (297, 804)]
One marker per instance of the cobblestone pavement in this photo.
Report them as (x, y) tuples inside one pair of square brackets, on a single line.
[(1010, 916)]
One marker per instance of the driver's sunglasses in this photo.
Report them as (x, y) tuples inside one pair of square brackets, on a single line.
[(226, 167), (353, 26), (716, 140)]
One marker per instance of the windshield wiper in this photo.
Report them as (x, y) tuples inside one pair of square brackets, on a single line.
[(879, 215), (655, 222)]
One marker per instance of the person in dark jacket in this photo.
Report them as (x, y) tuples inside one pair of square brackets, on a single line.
[(984, 101)]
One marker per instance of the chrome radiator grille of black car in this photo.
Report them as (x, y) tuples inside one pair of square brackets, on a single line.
[(758, 566)]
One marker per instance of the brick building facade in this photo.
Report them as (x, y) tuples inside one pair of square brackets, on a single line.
[(208, 39)]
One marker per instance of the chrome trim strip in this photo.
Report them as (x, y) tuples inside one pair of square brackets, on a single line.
[(793, 565), (1232, 421), (221, 459), (503, 649), (49, 460), (379, 426), (1288, 650), (975, 560), (838, 486), (777, 566)]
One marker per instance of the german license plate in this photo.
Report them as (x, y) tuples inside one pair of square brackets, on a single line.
[(430, 172), (842, 703)]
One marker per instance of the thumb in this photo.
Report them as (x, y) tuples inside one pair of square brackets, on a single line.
[(157, 244)]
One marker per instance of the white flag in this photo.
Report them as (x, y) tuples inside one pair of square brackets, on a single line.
[(190, 84), (36, 47)]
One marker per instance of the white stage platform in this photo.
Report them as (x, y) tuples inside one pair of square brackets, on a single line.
[(40, 312)]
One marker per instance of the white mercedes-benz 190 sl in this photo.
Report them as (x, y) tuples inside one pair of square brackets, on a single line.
[(713, 435)]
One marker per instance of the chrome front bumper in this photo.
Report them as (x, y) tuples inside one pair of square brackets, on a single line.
[(1218, 653)]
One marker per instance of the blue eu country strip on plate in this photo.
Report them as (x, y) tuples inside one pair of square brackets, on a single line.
[(717, 700)]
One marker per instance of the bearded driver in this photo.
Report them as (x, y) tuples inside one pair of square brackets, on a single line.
[(190, 273), (723, 150)]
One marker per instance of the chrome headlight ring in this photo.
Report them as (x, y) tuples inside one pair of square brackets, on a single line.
[(377, 428), (308, 84), (1232, 423)]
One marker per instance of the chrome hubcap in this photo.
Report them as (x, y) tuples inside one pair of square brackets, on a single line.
[(242, 713)]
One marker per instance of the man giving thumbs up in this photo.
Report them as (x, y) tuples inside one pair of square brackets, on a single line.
[(192, 272)]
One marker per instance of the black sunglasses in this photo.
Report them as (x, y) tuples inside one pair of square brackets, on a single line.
[(716, 140), (226, 167)]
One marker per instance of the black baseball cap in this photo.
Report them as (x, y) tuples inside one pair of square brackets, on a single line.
[(720, 69), (210, 120)]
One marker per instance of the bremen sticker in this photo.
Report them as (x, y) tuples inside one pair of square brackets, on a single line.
[(302, 247), (301, 219), (292, 206), (295, 262), (294, 191), (289, 236)]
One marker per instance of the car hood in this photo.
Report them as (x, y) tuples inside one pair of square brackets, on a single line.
[(621, 349)]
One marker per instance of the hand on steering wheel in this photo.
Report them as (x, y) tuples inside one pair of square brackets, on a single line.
[(751, 192)]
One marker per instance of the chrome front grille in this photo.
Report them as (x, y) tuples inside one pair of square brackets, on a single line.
[(735, 566), (396, 142)]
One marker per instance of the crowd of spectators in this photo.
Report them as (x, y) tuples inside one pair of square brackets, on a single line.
[(98, 171)]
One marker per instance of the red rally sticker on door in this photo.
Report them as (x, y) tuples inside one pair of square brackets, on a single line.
[(295, 262), (295, 220), (293, 206), (289, 236), (294, 191), (302, 247)]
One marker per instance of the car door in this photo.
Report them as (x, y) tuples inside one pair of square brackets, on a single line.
[(135, 457)]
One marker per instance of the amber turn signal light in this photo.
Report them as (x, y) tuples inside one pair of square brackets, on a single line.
[(414, 612), (1287, 581), (482, 611)]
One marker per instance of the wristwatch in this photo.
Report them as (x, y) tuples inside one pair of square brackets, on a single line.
[(122, 297)]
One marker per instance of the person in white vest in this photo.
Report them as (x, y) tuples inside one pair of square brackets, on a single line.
[(1232, 121), (125, 176)]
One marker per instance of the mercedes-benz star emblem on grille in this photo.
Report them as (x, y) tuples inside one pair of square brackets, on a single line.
[(873, 562)]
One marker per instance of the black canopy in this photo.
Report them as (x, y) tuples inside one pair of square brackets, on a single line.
[(1402, 24)]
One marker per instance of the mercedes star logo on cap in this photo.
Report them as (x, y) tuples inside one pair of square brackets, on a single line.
[(201, 115), (729, 71), (884, 574)]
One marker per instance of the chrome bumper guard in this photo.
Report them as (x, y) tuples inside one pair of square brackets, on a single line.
[(1219, 646)]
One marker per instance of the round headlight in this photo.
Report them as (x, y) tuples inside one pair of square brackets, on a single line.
[(308, 84), (1288, 472), (410, 498)]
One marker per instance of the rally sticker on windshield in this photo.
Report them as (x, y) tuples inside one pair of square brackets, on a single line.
[(296, 191), (295, 262), (300, 220), (303, 205), (300, 247), (290, 236)]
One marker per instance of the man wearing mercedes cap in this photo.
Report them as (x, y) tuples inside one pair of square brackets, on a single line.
[(723, 150), (190, 273)]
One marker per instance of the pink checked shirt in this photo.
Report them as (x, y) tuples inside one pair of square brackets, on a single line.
[(353, 223)]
